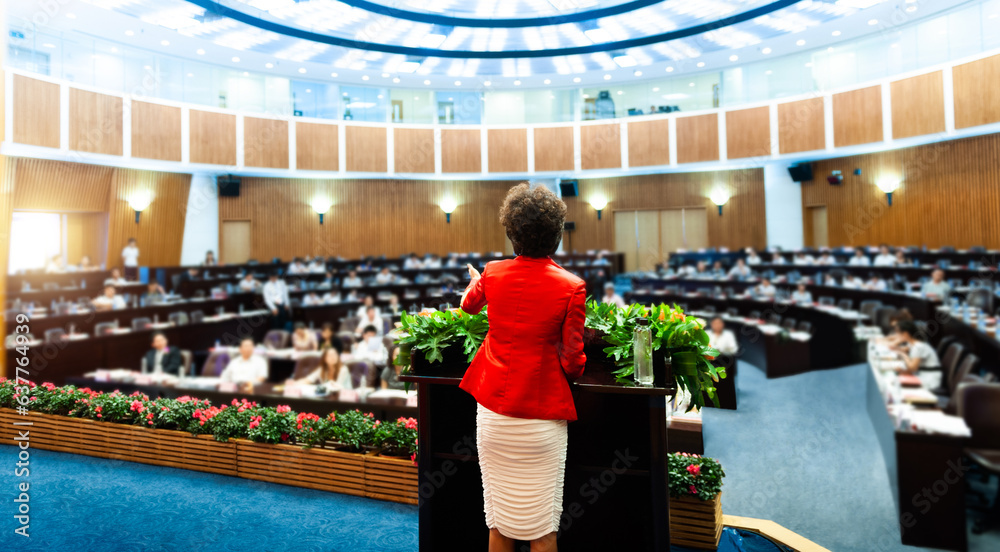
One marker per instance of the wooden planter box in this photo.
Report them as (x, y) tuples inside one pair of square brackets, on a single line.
[(315, 468), (391, 478), (696, 523), (158, 447)]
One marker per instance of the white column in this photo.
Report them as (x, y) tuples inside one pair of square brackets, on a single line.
[(201, 223), (783, 207)]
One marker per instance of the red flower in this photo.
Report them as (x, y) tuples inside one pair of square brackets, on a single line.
[(413, 458), (694, 470), (284, 436), (282, 408), (693, 490)]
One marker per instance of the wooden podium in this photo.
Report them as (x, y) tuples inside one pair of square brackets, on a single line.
[(615, 496)]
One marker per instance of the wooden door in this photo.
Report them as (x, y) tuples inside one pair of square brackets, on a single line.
[(695, 228), (625, 238), (235, 242), (671, 231), (647, 233), (816, 227)]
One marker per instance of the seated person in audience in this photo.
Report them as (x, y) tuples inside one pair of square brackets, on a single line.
[(884, 258), (936, 287), (109, 301), (831, 281), (328, 281), (247, 368), (765, 289), (901, 259), (192, 275), (297, 267), (352, 297), (370, 347), (778, 259), (317, 266), (328, 338), (452, 261), (162, 359), (720, 338), (826, 259), (370, 318), (916, 353), (701, 271), (894, 338), (394, 307), (599, 260), (331, 297), (740, 270), (391, 373), (801, 259), (384, 277), (209, 259), (874, 283), (115, 279), (412, 262), (433, 262), (312, 299), (303, 339), (85, 265), (859, 258), (368, 302), (352, 280), (55, 265), (331, 371), (853, 282), (664, 270), (753, 259), (801, 295), (249, 284), (611, 297), (717, 270), (155, 294)]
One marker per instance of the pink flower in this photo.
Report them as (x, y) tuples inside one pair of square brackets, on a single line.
[(694, 470), (100, 416), (693, 490), (282, 408), (413, 458)]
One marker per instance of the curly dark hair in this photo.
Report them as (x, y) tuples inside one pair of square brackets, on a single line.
[(533, 219)]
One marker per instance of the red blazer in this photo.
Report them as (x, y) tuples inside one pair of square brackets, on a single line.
[(535, 342)]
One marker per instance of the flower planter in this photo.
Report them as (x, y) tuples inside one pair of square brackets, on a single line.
[(696, 523), (314, 468), (158, 447), (391, 478)]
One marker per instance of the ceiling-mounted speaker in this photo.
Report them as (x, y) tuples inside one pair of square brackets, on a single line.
[(569, 226), (569, 188), (229, 186), (802, 172)]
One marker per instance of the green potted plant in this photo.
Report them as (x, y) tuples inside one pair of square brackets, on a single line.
[(441, 342), (695, 500)]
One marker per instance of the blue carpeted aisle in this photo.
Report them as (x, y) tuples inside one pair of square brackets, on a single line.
[(79, 503)]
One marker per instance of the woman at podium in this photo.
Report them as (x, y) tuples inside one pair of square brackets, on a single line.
[(520, 375)]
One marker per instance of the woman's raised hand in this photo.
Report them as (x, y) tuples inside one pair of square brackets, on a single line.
[(473, 273)]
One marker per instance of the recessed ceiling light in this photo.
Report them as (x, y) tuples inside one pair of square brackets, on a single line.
[(451, 99), (552, 96), (734, 57), (236, 59), (164, 43), (829, 48), (656, 89), (546, 81), (636, 73), (691, 84), (129, 33), (625, 61), (516, 83), (911, 9), (408, 66), (427, 82), (114, 49), (380, 96), (458, 83), (835, 33), (395, 80), (809, 64), (310, 91), (585, 96), (200, 51), (48, 45), (598, 35), (70, 16), (765, 50), (416, 97), (147, 67), (607, 77), (432, 40), (895, 45), (670, 69), (364, 77), (334, 75), (701, 64), (190, 75), (620, 92), (487, 83), (576, 79), (385, 75), (246, 73), (768, 72), (873, 21), (800, 42), (269, 65), (303, 70)]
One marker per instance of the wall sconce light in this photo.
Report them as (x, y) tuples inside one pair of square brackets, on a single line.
[(888, 185), (719, 197), (321, 206), (599, 203), (448, 205), (139, 201)]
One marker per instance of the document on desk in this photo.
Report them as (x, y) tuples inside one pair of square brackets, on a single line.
[(935, 421), (391, 394), (919, 396)]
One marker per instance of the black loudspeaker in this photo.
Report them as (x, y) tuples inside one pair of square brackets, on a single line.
[(569, 188), (801, 173), (229, 186), (569, 226)]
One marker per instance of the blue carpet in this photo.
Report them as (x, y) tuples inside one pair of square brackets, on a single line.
[(80, 503)]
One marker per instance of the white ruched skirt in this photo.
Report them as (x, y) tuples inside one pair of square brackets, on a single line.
[(523, 463)]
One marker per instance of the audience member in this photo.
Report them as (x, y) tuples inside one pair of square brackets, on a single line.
[(433, 261), (312, 299), (394, 307), (720, 338), (115, 279), (303, 339), (249, 284), (209, 259), (130, 260), (384, 277), (826, 259), (370, 347), (612, 297), (192, 275), (936, 287), (276, 298), (86, 266), (802, 296), (412, 262), (331, 371), (917, 354), (391, 373), (901, 259), (753, 259), (352, 280), (55, 265), (328, 337), (859, 258), (884, 258), (331, 297), (109, 301), (155, 294), (874, 283), (765, 289), (778, 259), (370, 318), (740, 270), (247, 367), (801, 259), (853, 282), (162, 359), (368, 302), (317, 266), (717, 270), (297, 267)]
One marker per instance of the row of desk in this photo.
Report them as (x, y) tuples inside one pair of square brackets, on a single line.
[(930, 257)]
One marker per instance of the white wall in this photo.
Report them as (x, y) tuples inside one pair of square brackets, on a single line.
[(783, 202), (201, 225)]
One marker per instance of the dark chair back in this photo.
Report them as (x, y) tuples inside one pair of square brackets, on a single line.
[(949, 364), (141, 323), (104, 328), (175, 281), (50, 286), (55, 335), (944, 343), (187, 358), (805, 326), (827, 301), (845, 304), (868, 306), (348, 324), (981, 298), (360, 372), (732, 311), (178, 318), (215, 364), (883, 316), (755, 314), (979, 406), (788, 324), (774, 318), (965, 368), (276, 339), (305, 365), (197, 317), (710, 309)]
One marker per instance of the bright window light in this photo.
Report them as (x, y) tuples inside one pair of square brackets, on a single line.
[(598, 36), (625, 61), (859, 4), (34, 239), (432, 40)]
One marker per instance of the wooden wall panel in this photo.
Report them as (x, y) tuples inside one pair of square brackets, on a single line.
[(8, 168), (741, 225), (36, 112), (160, 230), (857, 117), (748, 133), (86, 234), (366, 149), (950, 195), (917, 105), (368, 216), (213, 138), (600, 146), (413, 150), (156, 131), (95, 122), (698, 138), (317, 147), (508, 149), (461, 151), (265, 143), (977, 99), (553, 149), (59, 186), (801, 126), (649, 143)]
